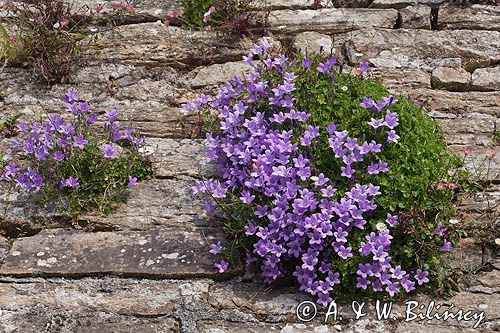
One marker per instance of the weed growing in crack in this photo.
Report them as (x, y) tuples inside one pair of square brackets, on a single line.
[(43, 36)]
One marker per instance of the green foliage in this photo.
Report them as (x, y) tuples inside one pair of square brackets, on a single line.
[(231, 15), (419, 188), (69, 164), (420, 167), (496, 136), (43, 36)]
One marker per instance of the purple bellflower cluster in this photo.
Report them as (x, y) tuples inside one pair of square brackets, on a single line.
[(298, 216), (47, 147)]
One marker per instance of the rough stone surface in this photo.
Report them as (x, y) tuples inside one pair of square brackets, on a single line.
[(152, 253), (332, 20), (4, 248), (465, 256), (486, 79), (165, 203), (313, 42), (452, 79), (281, 4), (144, 10), (220, 73), (423, 49), (153, 44), (398, 4), (475, 17), (416, 17)]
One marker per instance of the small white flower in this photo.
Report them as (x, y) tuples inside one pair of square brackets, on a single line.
[(453, 221), (381, 226), (314, 178), (344, 88), (497, 241)]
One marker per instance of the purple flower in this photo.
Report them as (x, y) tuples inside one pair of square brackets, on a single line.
[(222, 266), (91, 119), (407, 284), (446, 246), (132, 181), (71, 96), (421, 277), (110, 151), (363, 282), (392, 136), (71, 182), (391, 119), (392, 288), (306, 63), (364, 67), (58, 156), (111, 115), (367, 103), (322, 68), (216, 248), (79, 142), (376, 123), (392, 220)]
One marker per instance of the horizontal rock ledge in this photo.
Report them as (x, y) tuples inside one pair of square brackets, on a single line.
[(154, 253), (332, 20), (422, 49)]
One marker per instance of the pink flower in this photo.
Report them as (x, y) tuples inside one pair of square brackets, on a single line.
[(12, 38), (467, 150), (206, 16), (452, 186), (491, 154), (64, 23), (98, 9), (174, 14)]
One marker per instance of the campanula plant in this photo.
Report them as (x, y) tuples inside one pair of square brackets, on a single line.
[(326, 178), (66, 163)]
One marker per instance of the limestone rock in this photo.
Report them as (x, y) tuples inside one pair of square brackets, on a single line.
[(351, 3), (166, 203), (153, 44), (416, 17), (144, 10), (152, 253), (281, 4), (403, 48), (330, 20), (129, 297), (40, 319), (475, 17), (4, 248), (220, 73), (486, 79), (313, 42), (398, 4), (400, 80), (452, 79), (465, 256)]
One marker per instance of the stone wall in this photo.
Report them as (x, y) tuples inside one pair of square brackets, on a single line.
[(146, 267)]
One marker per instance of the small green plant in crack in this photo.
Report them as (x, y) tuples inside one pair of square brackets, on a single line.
[(45, 36), (224, 15), (7, 126), (67, 164), (496, 136)]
